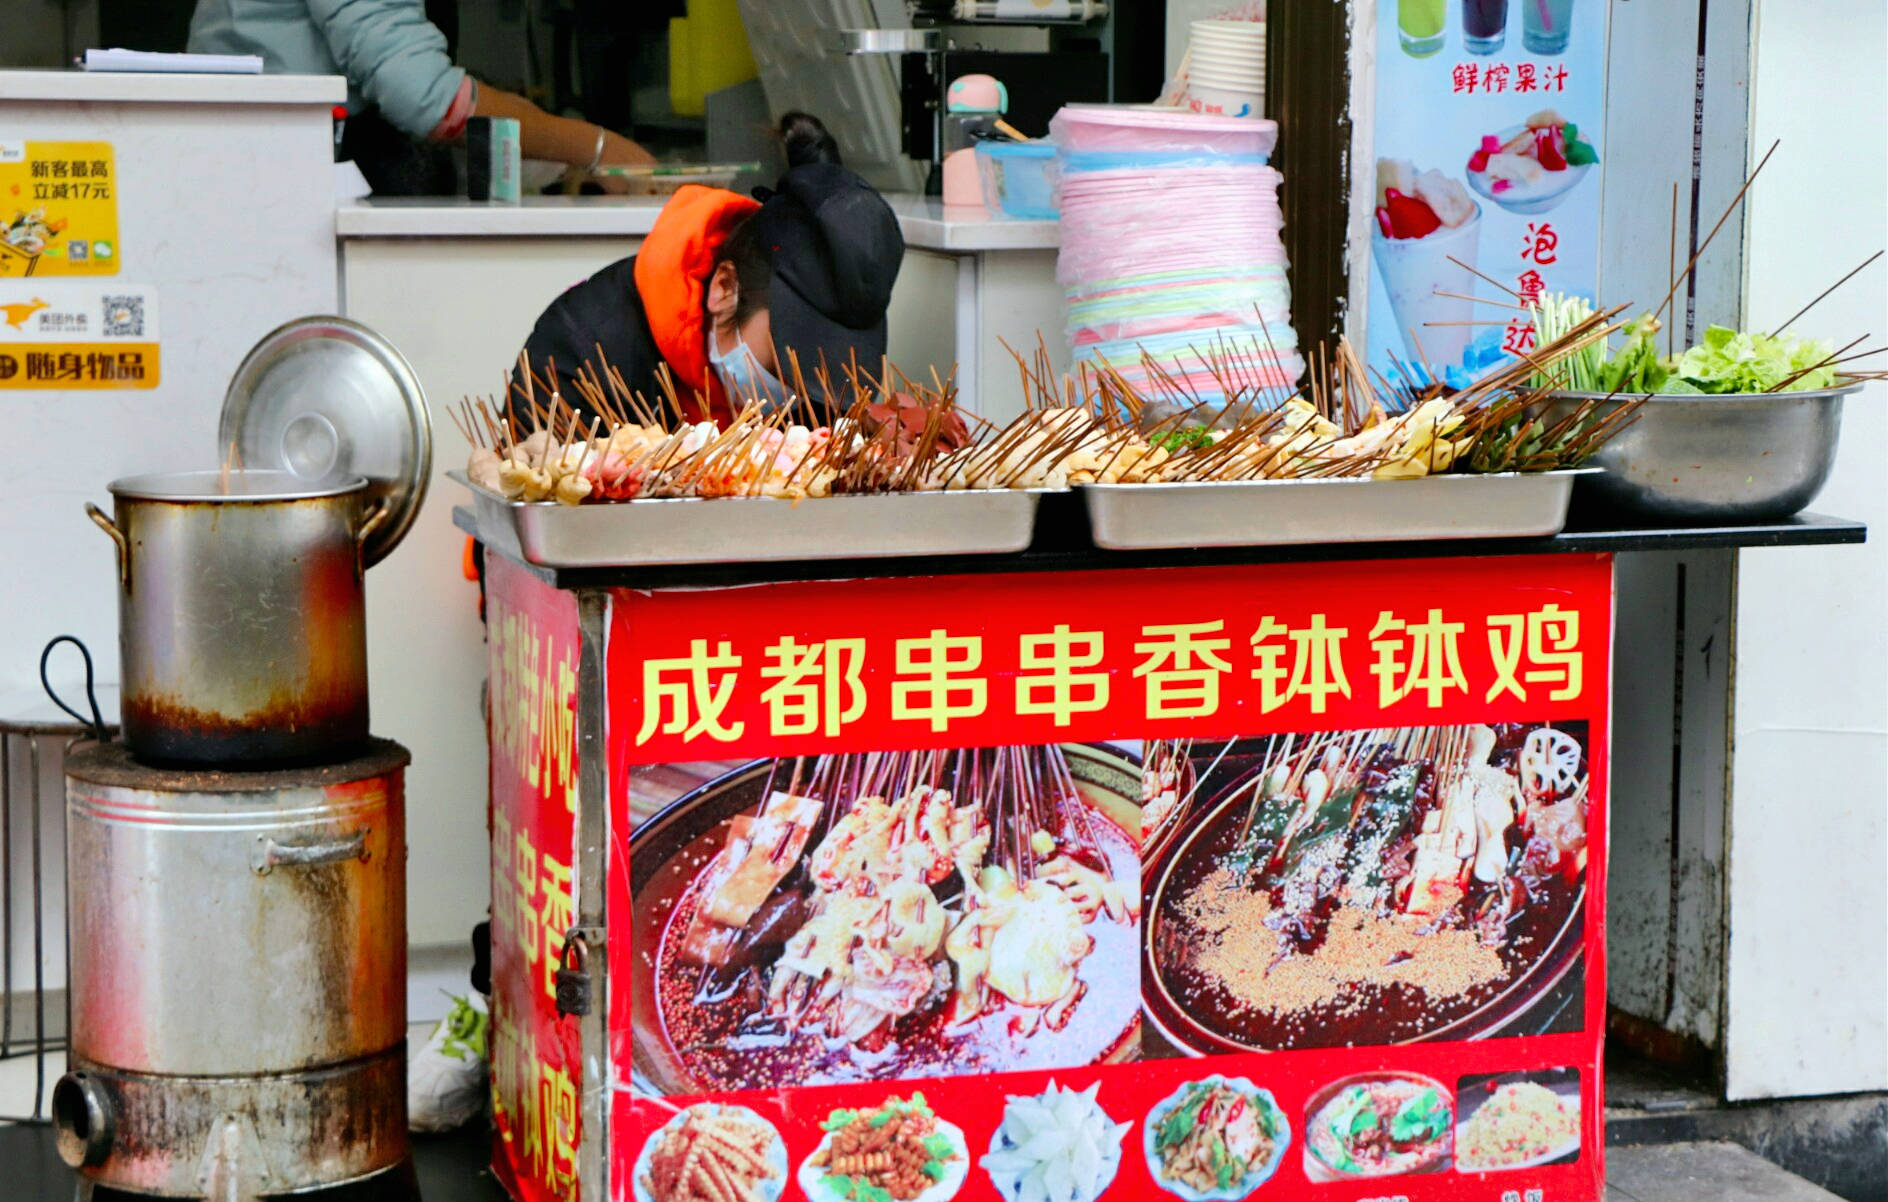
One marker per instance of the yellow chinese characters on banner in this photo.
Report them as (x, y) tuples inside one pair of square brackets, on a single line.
[(58, 209), (533, 720), (537, 1060)]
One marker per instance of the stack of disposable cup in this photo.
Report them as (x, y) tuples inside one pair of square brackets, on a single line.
[(1171, 249), (1226, 68)]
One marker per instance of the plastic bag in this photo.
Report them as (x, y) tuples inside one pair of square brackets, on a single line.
[(445, 1080)]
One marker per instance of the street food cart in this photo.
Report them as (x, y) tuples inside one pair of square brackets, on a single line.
[(1088, 873)]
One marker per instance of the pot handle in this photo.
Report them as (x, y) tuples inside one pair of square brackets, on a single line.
[(271, 855), (375, 519), (117, 536)]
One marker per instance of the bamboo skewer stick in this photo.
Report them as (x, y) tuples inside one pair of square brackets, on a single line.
[(1729, 209), (1825, 361), (1824, 293), (1485, 278), (1671, 270)]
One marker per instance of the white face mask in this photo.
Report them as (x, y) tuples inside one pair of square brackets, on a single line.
[(741, 372)]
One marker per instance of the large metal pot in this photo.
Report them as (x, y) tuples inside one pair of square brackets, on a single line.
[(241, 617), (238, 981), (1715, 458)]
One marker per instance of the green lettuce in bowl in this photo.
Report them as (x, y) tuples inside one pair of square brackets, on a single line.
[(1733, 361), (1727, 362)]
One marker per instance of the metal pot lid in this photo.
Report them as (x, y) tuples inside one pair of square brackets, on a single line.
[(327, 399)]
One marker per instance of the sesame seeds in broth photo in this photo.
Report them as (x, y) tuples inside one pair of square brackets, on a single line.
[(1367, 887)]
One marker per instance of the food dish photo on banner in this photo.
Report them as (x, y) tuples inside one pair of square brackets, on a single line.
[(1272, 885), (1490, 140)]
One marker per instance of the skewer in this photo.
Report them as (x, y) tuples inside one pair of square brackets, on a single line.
[(1825, 292), (1480, 300), (1472, 270), (1729, 209), (1862, 355), (465, 431), (1671, 271), (1825, 361)]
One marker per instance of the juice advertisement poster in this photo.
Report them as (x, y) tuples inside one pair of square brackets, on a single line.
[(1257, 882), (1489, 139)]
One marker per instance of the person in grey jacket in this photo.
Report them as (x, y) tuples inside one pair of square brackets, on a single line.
[(404, 91)]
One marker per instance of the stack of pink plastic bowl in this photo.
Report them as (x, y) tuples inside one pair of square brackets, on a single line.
[(1171, 246)]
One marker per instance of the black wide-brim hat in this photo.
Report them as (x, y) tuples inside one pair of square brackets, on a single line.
[(836, 253)]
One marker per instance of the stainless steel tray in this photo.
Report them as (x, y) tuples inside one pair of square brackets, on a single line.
[(751, 529), (1261, 513)]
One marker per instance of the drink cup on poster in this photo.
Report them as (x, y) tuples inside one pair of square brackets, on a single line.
[(1419, 25), (1485, 25), (1545, 25), (1415, 270)]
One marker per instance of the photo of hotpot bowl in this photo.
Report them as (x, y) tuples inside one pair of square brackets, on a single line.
[(886, 915), (1361, 888)]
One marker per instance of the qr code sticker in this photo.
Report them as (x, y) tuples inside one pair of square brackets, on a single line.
[(124, 317)]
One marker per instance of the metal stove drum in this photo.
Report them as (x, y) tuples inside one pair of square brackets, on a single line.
[(238, 975)]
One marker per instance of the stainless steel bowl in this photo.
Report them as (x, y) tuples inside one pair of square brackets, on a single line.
[(1716, 458)]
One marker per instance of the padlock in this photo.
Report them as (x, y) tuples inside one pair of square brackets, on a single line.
[(573, 976)]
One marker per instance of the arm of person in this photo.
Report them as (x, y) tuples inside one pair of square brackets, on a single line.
[(397, 58), (558, 139)]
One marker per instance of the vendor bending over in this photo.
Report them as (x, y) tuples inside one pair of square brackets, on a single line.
[(724, 285)]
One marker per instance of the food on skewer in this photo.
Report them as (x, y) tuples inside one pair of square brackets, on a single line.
[(1167, 776), (1349, 422), (1050, 448), (896, 914), (641, 449), (1090, 428)]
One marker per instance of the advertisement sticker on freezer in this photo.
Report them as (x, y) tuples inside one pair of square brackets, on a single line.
[(58, 209), (1218, 884), (78, 334)]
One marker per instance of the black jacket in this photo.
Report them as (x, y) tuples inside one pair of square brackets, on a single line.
[(605, 310)]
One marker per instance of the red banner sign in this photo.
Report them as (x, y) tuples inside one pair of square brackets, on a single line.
[(984, 660), (531, 632), (1276, 881)]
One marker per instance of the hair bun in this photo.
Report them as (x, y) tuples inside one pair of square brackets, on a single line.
[(807, 140)]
